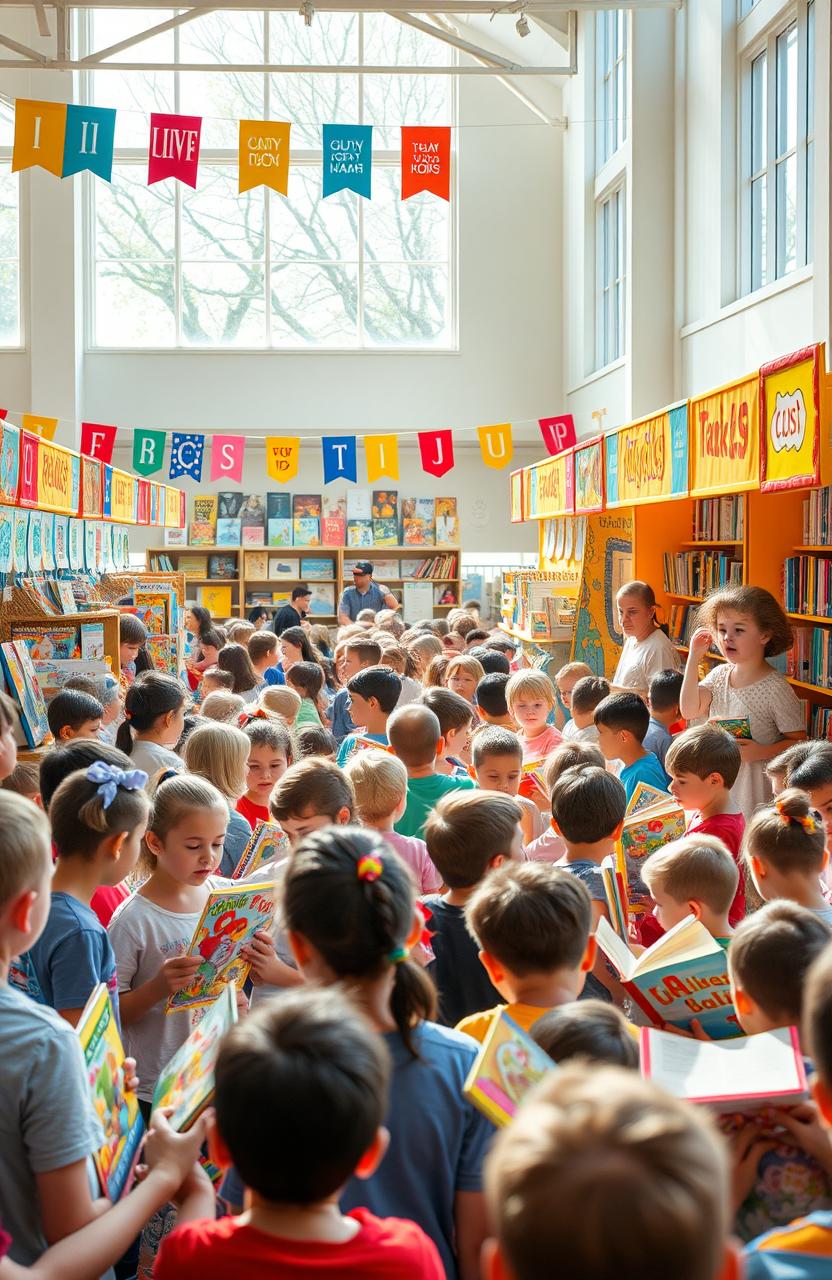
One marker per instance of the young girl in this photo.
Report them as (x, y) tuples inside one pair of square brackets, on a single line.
[(235, 660), (270, 754), (151, 930), (222, 705), (219, 753), (132, 636), (422, 647), (307, 679), (295, 647), (748, 626), (350, 908), (207, 653), (436, 671), (785, 852), (154, 711), (647, 649), (280, 700)]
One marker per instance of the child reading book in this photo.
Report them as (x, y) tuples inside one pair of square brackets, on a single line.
[(785, 849), (587, 1029), (622, 721), (663, 701), (270, 755), (497, 759), (374, 692), (586, 694), (73, 714), (456, 720), (379, 781), (531, 700), (416, 739), (219, 753), (693, 876), (154, 717), (531, 922)]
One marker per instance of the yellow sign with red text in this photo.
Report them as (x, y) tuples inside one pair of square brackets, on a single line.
[(172, 520), (123, 497), (790, 420), (549, 487), (725, 439), (59, 479)]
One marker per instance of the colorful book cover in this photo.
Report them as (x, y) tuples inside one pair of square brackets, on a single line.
[(62, 593), (153, 617), (176, 537), (417, 521), (359, 505), (359, 533), (531, 781), (615, 891), (280, 531), (447, 522), (155, 600), (47, 535), (644, 797), (92, 641), (6, 539), (229, 922), (229, 504), (222, 566), (507, 1066), (193, 566), (204, 522), (253, 512), (257, 565), (643, 834), (162, 652), (229, 533), (739, 727), (217, 600), (116, 1106), (285, 567), (317, 567), (187, 1082), (20, 540), (34, 541), (23, 686), (333, 531), (253, 535), (278, 506), (9, 463), (57, 644), (306, 506), (268, 843), (322, 602), (53, 674), (386, 532), (306, 531), (385, 504)]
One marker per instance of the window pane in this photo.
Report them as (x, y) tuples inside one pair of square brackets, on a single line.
[(233, 95), (133, 220), (405, 305), (414, 230), (810, 202), (786, 215), (135, 304), (217, 222), (134, 93), (309, 101), (314, 306), (9, 304), (810, 69), (787, 90), (746, 6), (758, 233), (758, 113), (223, 304), (305, 227)]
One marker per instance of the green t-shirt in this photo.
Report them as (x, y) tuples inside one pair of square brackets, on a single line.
[(423, 794), (307, 714)]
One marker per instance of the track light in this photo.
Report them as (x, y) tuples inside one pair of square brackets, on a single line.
[(522, 25), (307, 12)]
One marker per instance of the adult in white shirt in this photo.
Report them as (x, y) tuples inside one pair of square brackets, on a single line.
[(647, 650)]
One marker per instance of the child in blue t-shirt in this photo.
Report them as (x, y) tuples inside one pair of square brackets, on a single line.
[(622, 721), (98, 816)]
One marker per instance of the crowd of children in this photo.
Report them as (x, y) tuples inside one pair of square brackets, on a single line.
[(450, 813)]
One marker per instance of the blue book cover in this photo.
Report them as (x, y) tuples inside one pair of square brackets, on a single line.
[(228, 531), (307, 531), (279, 530), (317, 567)]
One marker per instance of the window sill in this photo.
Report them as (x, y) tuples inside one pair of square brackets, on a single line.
[(273, 351), (597, 375), (792, 281)]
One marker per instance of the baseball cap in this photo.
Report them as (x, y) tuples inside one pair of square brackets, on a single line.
[(363, 566)]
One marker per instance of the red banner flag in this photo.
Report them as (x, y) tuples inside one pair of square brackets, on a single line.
[(174, 148), (437, 450), (426, 160), (558, 433), (97, 440), (3, 413)]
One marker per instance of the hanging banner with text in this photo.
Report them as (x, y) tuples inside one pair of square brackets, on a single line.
[(648, 460), (558, 433), (123, 497), (725, 439), (549, 488), (59, 479), (98, 440), (174, 148), (186, 450), (340, 461), (28, 491), (426, 161), (9, 463), (495, 445), (437, 452), (39, 132), (148, 451), (227, 453), (382, 454), (88, 142), (588, 461), (282, 456), (790, 420), (173, 508), (516, 491), (92, 487), (264, 155), (347, 158)]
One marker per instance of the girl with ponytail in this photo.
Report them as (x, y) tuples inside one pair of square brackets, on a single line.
[(154, 717)]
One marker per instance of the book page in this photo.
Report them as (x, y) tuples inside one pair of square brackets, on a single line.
[(615, 948), (761, 1064)]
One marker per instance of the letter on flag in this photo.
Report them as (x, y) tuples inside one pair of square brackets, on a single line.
[(339, 455), (148, 451), (558, 433), (348, 158), (426, 160), (264, 155), (382, 454), (38, 426), (282, 455), (97, 440), (437, 450), (174, 148), (39, 129), (88, 144), (227, 454), (186, 450), (495, 445)]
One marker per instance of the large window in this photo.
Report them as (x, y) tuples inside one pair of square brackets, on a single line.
[(778, 150), (611, 82), (174, 267), (611, 248), (10, 335), (610, 179)]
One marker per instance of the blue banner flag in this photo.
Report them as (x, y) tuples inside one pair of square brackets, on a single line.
[(340, 461), (88, 141), (348, 158), (186, 452)]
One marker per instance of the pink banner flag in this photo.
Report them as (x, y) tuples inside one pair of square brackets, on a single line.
[(558, 433), (227, 457), (174, 148)]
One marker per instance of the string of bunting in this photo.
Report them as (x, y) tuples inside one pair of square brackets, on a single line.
[(65, 139)]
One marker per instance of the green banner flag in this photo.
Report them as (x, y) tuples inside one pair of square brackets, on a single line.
[(148, 451)]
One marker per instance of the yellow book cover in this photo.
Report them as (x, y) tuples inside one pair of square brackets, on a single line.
[(507, 1066), (229, 921), (216, 599)]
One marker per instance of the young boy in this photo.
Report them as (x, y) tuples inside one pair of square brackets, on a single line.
[(490, 660), (270, 755), (466, 836), (568, 677), (549, 846), (265, 656), (417, 740), (585, 697), (25, 780), (622, 720), (663, 700), (703, 764), (588, 806), (531, 700), (492, 707), (215, 680), (379, 781), (693, 876), (315, 740), (326, 1074), (373, 694), (456, 720), (553, 1183), (357, 653), (778, 771), (531, 922), (108, 692), (497, 759), (73, 714)]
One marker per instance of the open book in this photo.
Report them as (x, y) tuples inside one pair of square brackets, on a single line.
[(228, 923), (267, 843), (644, 797), (752, 1072), (116, 1106), (682, 976), (507, 1066), (187, 1082)]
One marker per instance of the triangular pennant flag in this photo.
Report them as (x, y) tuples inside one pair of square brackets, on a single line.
[(282, 455), (558, 433), (39, 129), (264, 155), (44, 427), (382, 453), (148, 451), (227, 453)]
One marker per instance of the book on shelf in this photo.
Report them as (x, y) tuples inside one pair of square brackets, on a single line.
[(186, 1084), (739, 727), (810, 658), (177, 537), (817, 517), (359, 533), (507, 1067), (257, 565), (286, 567), (719, 519), (333, 520), (268, 843), (229, 533), (418, 521), (204, 520), (447, 522), (164, 654), (279, 519), (229, 921), (253, 520), (681, 977), (161, 564), (446, 595), (116, 1106), (359, 504), (742, 1075), (193, 566), (306, 531), (807, 585), (317, 567), (386, 532), (53, 673), (385, 505), (280, 533), (217, 600), (22, 684), (643, 833), (278, 506), (221, 565), (695, 573), (48, 643), (253, 535), (92, 641), (442, 566), (229, 503), (322, 601), (306, 506)]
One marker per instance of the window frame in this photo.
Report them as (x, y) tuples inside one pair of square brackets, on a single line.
[(611, 288), (22, 252), (611, 81)]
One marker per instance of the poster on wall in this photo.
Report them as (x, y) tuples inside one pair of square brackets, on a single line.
[(725, 439), (516, 483), (648, 460), (608, 564), (790, 420), (589, 475)]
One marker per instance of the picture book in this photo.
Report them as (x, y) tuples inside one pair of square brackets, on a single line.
[(47, 524), (177, 537), (278, 506), (54, 644), (284, 567), (531, 779), (257, 565), (216, 599), (645, 832), (447, 522), (267, 844), (317, 567), (6, 543), (644, 797), (35, 588), (153, 617), (682, 976), (23, 686), (507, 1066), (280, 533), (333, 531), (253, 535), (193, 566), (253, 513), (187, 1082), (229, 921), (615, 890), (306, 506), (739, 727), (359, 533), (306, 531), (359, 504), (229, 533), (386, 532), (116, 1106), (229, 504), (61, 542), (385, 504), (221, 566), (163, 655), (417, 521), (92, 641), (279, 519), (34, 543), (155, 598), (333, 506), (322, 603), (53, 674), (204, 521), (741, 1075)]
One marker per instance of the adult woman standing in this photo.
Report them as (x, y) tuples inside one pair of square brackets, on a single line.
[(647, 648)]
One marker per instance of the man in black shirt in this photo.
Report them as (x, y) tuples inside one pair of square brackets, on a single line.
[(292, 615)]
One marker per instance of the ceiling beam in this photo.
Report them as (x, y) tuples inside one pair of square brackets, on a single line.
[(141, 36), (457, 7), (29, 57), (277, 68), (448, 37), (41, 19)]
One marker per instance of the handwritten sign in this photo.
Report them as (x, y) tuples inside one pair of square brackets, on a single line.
[(790, 420), (648, 460), (589, 475), (549, 487), (725, 439)]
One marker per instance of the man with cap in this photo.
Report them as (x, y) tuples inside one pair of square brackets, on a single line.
[(364, 594), (292, 615)]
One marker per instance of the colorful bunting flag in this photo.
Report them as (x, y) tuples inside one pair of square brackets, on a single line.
[(227, 454), (426, 160), (340, 462), (45, 427), (148, 451), (282, 454), (348, 158), (186, 450), (97, 440), (558, 433), (39, 129), (174, 148), (89, 139), (495, 445), (264, 155), (382, 453), (437, 450)]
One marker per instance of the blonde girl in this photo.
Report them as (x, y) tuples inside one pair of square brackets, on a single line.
[(280, 700), (219, 753), (423, 647), (462, 675), (647, 649), (748, 626), (435, 671)]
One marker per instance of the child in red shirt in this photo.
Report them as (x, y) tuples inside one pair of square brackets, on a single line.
[(270, 755), (703, 764), (301, 1095)]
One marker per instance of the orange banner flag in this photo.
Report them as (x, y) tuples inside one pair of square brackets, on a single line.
[(495, 445), (39, 132), (264, 155), (43, 427), (426, 160)]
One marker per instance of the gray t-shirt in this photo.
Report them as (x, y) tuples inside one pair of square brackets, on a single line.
[(353, 601), (153, 758), (46, 1118)]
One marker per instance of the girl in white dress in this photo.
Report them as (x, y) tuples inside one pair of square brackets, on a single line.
[(647, 649)]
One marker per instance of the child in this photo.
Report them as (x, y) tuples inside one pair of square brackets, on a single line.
[(492, 707), (25, 780), (240, 632), (349, 906), (264, 655), (423, 647), (132, 636), (399, 660), (374, 693), (549, 846), (435, 672), (703, 764), (98, 818), (769, 960), (270, 755), (498, 766), (647, 648), (313, 794), (215, 680), (456, 719), (696, 875), (466, 835), (587, 693), (665, 691), (531, 701), (785, 850), (154, 710), (234, 659), (554, 1182), (567, 678), (814, 775), (416, 739), (588, 806), (152, 929), (587, 1029), (307, 679), (222, 706), (379, 781), (108, 692), (326, 1074), (281, 701), (356, 653), (778, 771), (9, 723), (315, 740), (73, 714), (462, 675), (219, 753), (748, 626), (622, 720), (531, 922), (490, 660)]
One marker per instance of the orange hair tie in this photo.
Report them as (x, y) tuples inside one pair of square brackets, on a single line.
[(807, 822), (369, 868)]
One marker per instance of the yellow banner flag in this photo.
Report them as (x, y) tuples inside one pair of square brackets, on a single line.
[(382, 454), (44, 427), (264, 155), (282, 455), (39, 129), (495, 445)]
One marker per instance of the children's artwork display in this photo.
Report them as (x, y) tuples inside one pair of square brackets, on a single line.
[(229, 922), (116, 1106), (507, 1066), (607, 565), (187, 1082)]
